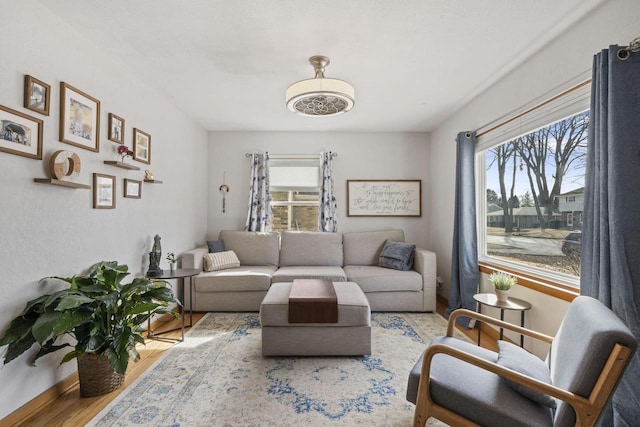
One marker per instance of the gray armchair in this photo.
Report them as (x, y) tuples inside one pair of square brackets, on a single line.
[(462, 384)]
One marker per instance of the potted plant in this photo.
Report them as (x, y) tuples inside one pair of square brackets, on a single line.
[(502, 283), (124, 152), (103, 316), (173, 260)]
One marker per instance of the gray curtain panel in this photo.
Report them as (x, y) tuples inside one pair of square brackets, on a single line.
[(328, 215), (259, 210), (610, 267), (464, 259)]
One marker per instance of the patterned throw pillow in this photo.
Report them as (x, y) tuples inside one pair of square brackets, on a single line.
[(220, 261)]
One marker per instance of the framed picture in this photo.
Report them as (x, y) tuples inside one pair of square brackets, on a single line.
[(104, 191), (116, 128), (37, 95), (132, 189), (79, 118), (20, 134), (141, 146), (384, 197)]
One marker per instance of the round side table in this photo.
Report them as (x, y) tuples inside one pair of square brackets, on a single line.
[(180, 273), (513, 304)]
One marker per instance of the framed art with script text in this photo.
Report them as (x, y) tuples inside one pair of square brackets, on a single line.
[(391, 198)]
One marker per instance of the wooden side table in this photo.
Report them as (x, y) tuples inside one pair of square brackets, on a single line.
[(513, 304), (180, 273)]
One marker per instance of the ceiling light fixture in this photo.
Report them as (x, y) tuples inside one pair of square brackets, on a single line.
[(320, 96)]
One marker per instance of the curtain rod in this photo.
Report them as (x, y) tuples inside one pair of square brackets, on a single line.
[(505, 121), (623, 54), (293, 156)]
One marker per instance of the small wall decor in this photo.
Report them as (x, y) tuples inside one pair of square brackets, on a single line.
[(132, 189), (116, 128), (64, 165), (37, 95), (104, 191), (154, 258), (384, 198), (141, 146), (20, 134), (224, 189), (79, 118)]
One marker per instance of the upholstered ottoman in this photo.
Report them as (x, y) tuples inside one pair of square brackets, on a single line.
[(351, 336)]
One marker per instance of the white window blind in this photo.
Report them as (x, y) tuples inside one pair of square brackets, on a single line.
[(294, 175)]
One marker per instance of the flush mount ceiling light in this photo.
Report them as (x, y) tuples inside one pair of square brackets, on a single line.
[(320, 96)]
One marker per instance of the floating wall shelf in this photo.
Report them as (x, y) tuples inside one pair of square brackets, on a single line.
[(68, 184), (121, 165), (153, 181)]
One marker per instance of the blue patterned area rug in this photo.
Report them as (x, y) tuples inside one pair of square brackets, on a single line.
[(218, 377)]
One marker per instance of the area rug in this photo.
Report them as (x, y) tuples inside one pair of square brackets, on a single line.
[(218, 377)]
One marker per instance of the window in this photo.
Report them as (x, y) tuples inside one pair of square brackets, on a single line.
[(295, 189), (532, 187)]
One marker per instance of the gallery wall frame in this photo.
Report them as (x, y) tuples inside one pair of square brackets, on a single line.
[(20, 134), (116, 128), (37, 95), (79, 118), (132, 189), (104, 191), (384, 198), (141, 146)]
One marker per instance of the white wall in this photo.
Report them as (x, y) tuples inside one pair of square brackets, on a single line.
[(360, 156), (47, 230), (615, 22)]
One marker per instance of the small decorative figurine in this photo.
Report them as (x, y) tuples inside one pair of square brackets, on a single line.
[(148, 175), (154, 258)]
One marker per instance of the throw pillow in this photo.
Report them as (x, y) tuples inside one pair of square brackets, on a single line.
[(520, 360), (397, 255), (220, 261), (215, 246)]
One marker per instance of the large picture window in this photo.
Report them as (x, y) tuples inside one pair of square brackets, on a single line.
[(295, 190), (531, 196)]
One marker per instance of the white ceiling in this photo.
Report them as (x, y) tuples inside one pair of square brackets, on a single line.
[(228, 63)]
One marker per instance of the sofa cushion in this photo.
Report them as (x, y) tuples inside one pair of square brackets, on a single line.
[(379, 279), (288, 274), (220, 261), (364, 248), (520, 360), (215, 246), (252, 248), (241, 279), (310, 248), (397, 255), (353, 306)]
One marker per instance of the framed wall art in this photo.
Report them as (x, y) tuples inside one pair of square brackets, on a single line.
[(20, 134), (391, 198), (141, 146), (132, 189), (37, 95), (116, 128), (104, 191), (79, 118)]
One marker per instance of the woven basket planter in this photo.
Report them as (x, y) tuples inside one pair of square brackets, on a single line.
[(97, 377)]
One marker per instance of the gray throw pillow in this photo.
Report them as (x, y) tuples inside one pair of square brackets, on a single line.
[(215, 246), (520, 360), (397, 255)]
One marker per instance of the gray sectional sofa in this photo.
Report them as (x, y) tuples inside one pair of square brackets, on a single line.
[(268, 258)]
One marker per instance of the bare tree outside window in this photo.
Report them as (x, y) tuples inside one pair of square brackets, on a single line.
[(535, 192)]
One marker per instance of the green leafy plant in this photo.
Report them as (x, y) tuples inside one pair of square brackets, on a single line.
[(502, 281), (103, 315)]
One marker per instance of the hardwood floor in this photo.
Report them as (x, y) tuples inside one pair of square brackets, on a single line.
[(69, 409)]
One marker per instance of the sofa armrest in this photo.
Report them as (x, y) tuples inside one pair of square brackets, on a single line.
[(425, 264), (193, 258)]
